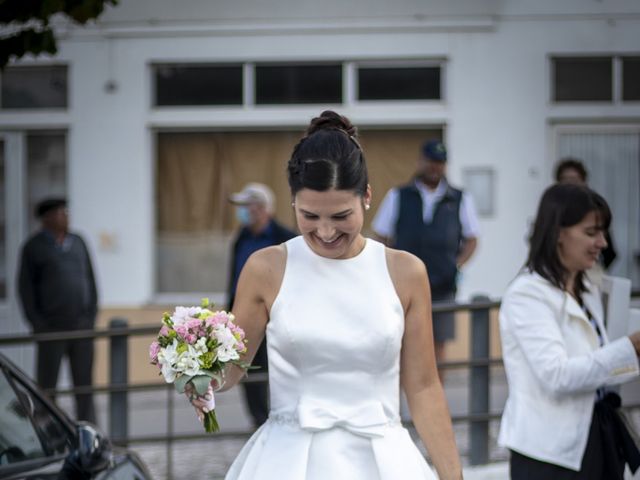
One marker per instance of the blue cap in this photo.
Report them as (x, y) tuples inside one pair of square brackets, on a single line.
[(434, 150)]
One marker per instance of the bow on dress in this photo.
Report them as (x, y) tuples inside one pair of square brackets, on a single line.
[(367, 420)]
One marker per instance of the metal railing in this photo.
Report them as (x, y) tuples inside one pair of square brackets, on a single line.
[(118, 388)]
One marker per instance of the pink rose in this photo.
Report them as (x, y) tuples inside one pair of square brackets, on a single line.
[(221, 317), (193, 324), (164, 331), (181, 330)]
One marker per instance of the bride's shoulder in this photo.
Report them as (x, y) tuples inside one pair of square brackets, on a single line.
[(404, 264), (267, 261)]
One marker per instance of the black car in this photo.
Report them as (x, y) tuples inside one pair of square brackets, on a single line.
[(38, 441)]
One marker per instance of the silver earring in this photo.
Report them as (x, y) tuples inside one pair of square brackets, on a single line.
[(367, 206)]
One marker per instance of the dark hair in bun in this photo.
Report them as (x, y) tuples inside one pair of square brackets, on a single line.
[(328, 156)]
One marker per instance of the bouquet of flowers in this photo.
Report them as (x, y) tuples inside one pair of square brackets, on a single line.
[(193, 348)]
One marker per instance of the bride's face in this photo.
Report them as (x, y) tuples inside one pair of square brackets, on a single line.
[(331, 221)]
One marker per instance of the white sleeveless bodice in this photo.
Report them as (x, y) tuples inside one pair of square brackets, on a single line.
[(334, 339), (336, 328)]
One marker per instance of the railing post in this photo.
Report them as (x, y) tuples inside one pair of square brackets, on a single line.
[(479, 388), (118, 376)]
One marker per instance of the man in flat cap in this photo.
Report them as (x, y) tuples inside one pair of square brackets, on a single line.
[(58, 293), (255, 205), (438, 224)]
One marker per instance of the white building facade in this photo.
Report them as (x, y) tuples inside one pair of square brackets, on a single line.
[(515, 85)]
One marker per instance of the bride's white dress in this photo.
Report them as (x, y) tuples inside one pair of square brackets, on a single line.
[(334, 339)]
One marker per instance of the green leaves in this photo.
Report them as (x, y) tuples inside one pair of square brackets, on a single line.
[(29, 24), (181, 382), (201, 383)]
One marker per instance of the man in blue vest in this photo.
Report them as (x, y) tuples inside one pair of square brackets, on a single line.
[(438, 224)]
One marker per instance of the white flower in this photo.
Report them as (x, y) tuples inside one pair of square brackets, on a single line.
[(227, 353), (188, 362), (167, 357), (169, 353), (168, 372), (181, 314), (226, 343), (225, 337), (200, 346)]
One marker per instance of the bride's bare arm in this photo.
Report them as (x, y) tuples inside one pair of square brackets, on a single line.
[(257, 288), (418, 373)]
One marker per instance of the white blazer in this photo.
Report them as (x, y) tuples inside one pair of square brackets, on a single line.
[(554, 365)]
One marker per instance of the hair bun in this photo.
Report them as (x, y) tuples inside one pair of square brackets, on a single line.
[(330, 120)]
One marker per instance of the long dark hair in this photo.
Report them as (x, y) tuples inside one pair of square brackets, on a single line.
[(561, 206), (328, 156)]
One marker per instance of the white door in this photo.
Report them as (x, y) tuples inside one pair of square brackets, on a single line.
[(612, 157)]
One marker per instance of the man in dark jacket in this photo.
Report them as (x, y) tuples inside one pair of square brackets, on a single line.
[(254, 210), (58, 293)]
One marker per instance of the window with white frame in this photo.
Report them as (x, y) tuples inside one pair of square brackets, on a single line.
[(398, 82), (296, 83), (630, 78), (602, 78), (197, 84), (34, 87)]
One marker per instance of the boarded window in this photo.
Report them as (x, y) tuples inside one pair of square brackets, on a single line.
[(196, 173)]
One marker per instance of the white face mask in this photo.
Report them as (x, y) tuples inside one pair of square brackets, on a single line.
[(243, 215)]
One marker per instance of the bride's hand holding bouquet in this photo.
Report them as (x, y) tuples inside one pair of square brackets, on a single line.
[(193, 348)]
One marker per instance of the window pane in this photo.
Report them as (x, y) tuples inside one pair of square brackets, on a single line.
[(298, 84), (582, 79), (34, 87), (399, 83), (46, 169), (631, 78), (53, 433), (3, 229), (198, 84), (18, 438)]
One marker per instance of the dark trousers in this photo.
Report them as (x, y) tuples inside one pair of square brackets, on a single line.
[(257, 393), (594, 464), (80, 355)]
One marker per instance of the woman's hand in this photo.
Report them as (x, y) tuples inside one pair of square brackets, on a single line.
[(202, 403)]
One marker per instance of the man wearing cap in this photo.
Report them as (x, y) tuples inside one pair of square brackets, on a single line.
[(438, 224), (255, 207), (58, 293)]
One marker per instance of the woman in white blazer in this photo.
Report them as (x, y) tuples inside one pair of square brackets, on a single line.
[(557, 356)]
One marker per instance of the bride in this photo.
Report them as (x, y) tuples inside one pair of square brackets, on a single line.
[(348, 321)]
